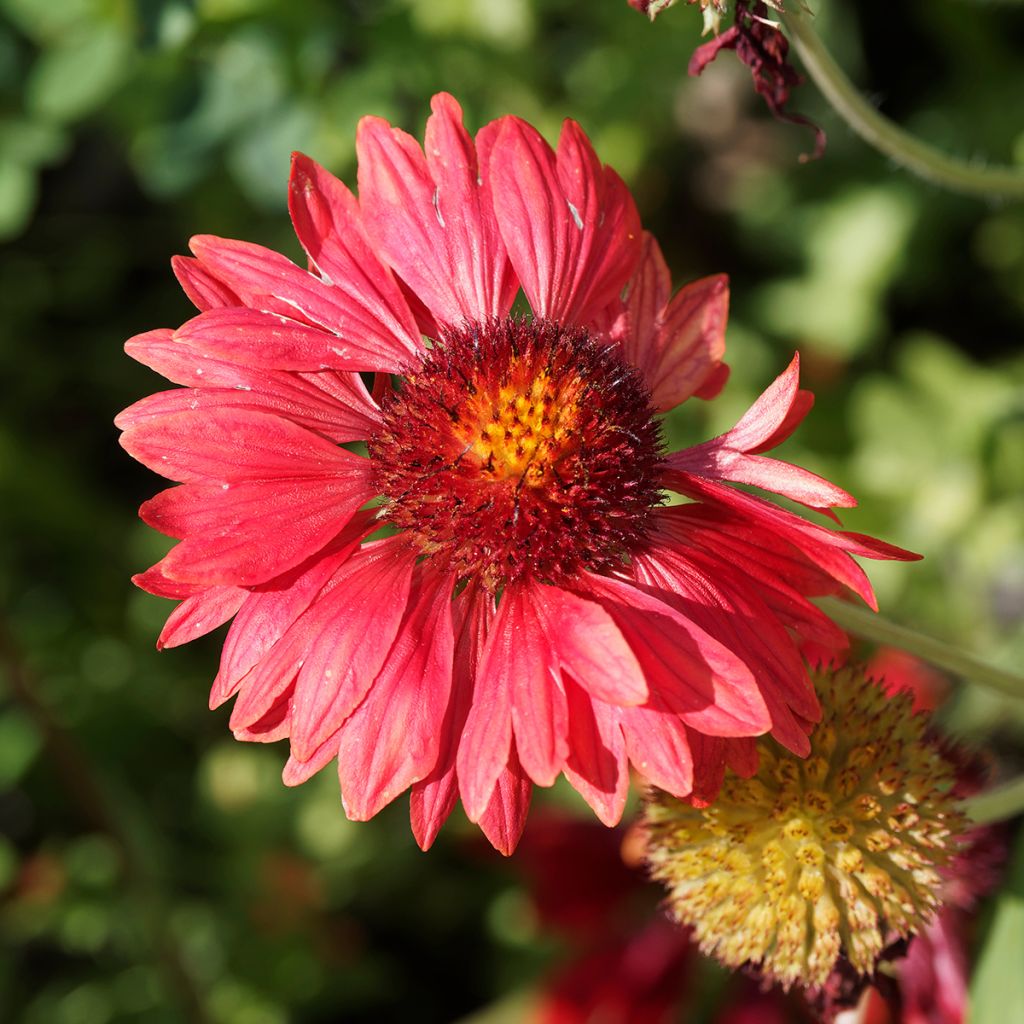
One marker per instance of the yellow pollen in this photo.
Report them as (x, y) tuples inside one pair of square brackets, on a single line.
[(810, 860), (522, 431)]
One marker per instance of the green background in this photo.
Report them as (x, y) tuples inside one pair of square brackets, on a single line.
[(125, 128)]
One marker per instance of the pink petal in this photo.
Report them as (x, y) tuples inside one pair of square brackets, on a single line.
[(504, 818), (392, 739), (265, 280), (432, 799), (596, 766), (828, 550), (336, 405), (329, 224), (291, 398), (658, 746), (273, 608), (678, 342), (571, 227), (234, 445), (270, 341), (430, 217), (736, 616), (350, 630), (487, 737), (196, 616), (767, 423), (519, 642), (708, 686), (205, 290), (202, 608), (587, 644), (252, 531)]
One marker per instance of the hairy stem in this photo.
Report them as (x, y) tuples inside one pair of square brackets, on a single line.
[(873, 627), (1005, 801), (884, 135)]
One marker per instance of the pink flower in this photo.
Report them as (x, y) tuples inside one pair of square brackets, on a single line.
[(534, 608)]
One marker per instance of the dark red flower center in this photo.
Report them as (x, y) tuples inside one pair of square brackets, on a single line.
[(520, 448)]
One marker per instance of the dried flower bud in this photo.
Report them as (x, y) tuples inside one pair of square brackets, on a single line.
[(810, 860)]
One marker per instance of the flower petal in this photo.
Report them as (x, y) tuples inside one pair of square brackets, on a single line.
[(570, 225), (588, 645), (430, 217), (768, 422), (349, 633), (271, 341), (696, 676), (596, 766), (392, 739), (330, 227), (205, 290), (504, 818), (267, 281), (678, 343), (273, 608), (433, 798), (247, 533), (234, 445)]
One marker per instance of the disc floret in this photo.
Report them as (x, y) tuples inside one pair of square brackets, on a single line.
[(520, 448), (814, 859)]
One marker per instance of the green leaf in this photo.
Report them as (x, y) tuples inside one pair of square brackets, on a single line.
[(997, 987), (77, 75), (17, 197)]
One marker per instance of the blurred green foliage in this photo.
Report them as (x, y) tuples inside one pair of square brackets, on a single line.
[(124, 128)]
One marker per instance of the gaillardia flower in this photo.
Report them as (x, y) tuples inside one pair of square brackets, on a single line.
[(807, 861), (494, 590)]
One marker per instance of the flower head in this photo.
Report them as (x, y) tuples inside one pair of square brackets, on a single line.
[(805, 862), (496, 592)]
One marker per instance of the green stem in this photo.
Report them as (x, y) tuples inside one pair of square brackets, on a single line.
[(887, 137), (873, 627), (1006, 801)]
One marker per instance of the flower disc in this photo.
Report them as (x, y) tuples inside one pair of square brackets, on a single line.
[(520, 448)]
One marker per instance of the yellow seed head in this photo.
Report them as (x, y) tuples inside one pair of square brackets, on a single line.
[(812, 859)]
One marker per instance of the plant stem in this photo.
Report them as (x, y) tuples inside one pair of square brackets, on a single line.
[(1006, 801), (873, 627), (884, 135)]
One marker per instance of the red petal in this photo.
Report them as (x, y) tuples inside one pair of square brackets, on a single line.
[(596, 767), (696, 676), (271, 341), (392, 739), (487, 737), (291, 398), (678, 344), (205, 290), (329, 225), (267, 281), (255, 530), (518, 647), (588, 645), (431, 219), (658, 746), (570, 226), (196, 616), (504, 818), (349, 631), (432, 800), (273, 608), (234, 445)]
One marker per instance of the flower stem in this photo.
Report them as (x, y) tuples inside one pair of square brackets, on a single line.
[(888, 138), (873, 627), (1006, 801)]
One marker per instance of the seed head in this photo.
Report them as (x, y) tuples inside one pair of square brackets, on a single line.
[(812, 859)]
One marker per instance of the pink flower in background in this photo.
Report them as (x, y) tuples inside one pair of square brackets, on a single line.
[(493, 591)]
